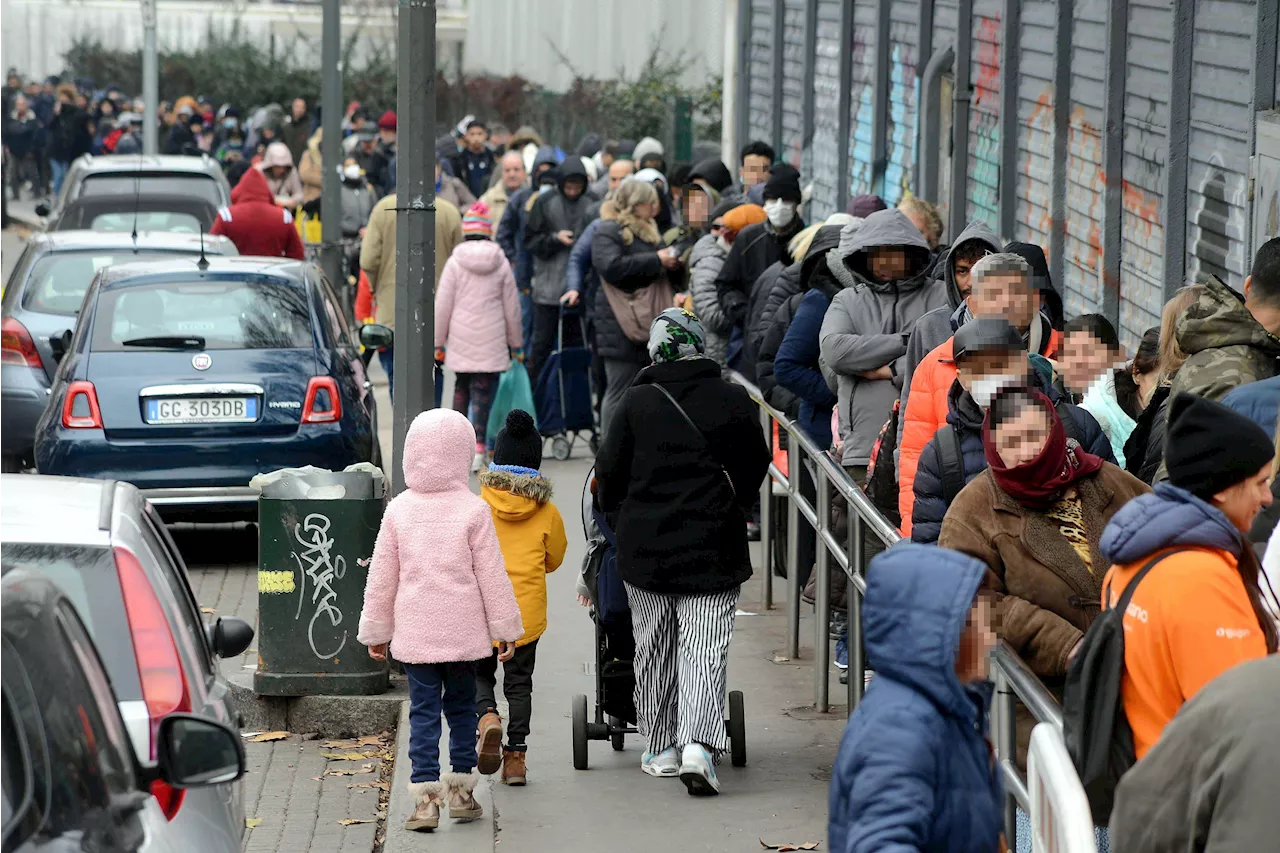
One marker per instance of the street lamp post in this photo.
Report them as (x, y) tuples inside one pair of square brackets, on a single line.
[(331, 147), (150, 80)]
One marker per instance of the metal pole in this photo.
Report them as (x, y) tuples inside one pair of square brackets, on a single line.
[(822, 600), (1007, 709), (857, 663), (415, 219), (729, 93), (766, 521), (795, 461), (331, 148), (150, 81)]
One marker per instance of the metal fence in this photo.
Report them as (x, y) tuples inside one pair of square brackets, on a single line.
[(1014, 682)]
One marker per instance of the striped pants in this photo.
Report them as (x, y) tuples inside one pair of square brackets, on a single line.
[(682, 652)]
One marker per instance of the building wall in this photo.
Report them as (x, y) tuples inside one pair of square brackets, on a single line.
[(1179, 208)]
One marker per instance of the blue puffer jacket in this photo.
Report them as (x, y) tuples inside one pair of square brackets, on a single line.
[(914, 773), (965, 418), (1168, 518), (796, 367), (1258, 401)]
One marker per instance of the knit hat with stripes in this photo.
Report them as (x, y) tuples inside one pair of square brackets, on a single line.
[(477, 221)]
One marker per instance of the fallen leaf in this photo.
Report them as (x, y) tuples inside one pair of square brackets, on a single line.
[(370, 740), (251, 822), (353, 820), (789, 847), (340, 744), (208, 610), (270, 736), (348, 756), (349, 771)]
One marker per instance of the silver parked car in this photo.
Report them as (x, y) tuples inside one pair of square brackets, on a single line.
[(105, 547)]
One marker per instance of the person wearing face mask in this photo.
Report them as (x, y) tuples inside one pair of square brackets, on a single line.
[(1035, 517), (358, 200), (1090, 355), (989, 356), (705, 262), (760, 246)]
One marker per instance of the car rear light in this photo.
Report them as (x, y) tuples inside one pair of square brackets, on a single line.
[(316, 409), (81, 391), (16, 346), (164, 686)]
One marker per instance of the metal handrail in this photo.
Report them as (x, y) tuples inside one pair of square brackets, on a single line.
[(1014, 681)]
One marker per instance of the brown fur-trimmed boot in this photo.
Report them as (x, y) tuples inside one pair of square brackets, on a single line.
[(459, 796), (426, 806)]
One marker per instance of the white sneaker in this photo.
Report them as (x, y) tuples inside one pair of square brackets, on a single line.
[(697, 772), (665, 763), (479, 463)]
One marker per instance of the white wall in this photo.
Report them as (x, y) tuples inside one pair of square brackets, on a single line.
[(600, 37)]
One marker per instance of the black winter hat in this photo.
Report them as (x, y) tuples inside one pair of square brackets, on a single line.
[(1210, 447), (714, 172), (519, 442), (784, 184)]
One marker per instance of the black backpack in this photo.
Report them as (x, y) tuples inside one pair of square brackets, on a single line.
[(951, 461), (882, 470), (1094, 725)]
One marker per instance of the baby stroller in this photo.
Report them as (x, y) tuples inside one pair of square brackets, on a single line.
[(563, 394), (615, 711)]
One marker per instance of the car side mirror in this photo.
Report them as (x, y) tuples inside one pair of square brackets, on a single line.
[(194, 752), (229, 636), (42, 210), (376, 336), (60, 344)]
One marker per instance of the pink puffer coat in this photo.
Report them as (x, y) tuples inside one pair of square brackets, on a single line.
[(477, 309)]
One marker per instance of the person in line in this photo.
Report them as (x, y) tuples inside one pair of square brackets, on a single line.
[(437, 597), (681, 463), (531, 534), (475, 163), (1209, 783), (255, 224), (754, 162), (453, 190), (989, 356), (556, 219), (990, 284), (297, 129), (705, 262), (1144, 451), (311, 167), (1144, 371), (511, 179), (477, 323), (627, 253), (282, 177), (1094, 372), (926, 218), (1200, 611), (381, 174), (69, 134), (914, 771), (1035, 517), (511, 231), (378, 262), (358, 200), (22, 144)]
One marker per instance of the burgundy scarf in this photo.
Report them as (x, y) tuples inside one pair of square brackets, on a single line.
[(1037, 484)]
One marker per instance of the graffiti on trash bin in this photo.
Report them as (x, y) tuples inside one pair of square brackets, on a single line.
[(318, 565)]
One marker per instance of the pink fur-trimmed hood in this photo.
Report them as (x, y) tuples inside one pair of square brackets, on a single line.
[(438, 589)]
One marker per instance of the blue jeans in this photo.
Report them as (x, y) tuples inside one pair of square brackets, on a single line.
[(59, 172), (526, 321), (436, 688), (387, 358)]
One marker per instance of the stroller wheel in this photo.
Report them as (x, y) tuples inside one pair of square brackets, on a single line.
[(579, 732), (561, 448), (618, 737), (737, 724)]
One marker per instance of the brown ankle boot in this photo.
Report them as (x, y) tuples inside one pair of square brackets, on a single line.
[(513, 767), (426, 806), (489, 744), (459, 796)]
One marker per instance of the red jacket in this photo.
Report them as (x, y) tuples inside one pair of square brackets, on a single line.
[(255, 224)]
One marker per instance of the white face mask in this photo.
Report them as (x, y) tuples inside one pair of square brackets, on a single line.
[(351, 173), (780, 212), (984, 390)]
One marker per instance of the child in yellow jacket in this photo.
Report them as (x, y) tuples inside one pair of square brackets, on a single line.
[(531, 534)]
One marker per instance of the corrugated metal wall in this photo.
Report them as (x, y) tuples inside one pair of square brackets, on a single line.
[(1182, 98)]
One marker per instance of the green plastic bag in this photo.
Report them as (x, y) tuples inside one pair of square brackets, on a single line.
[(514, 392)]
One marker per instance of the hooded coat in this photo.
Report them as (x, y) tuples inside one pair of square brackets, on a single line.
[(552, 213), (915, 773), (477, 309), (1225, 346), (682, 495), (1144, 451), (869, 323), (756, 248), (628, 266), (1190, 619), (437, 588), (378, 251), (511, 226), (311, 168), (705, 262), (783, 286), (255, 224), (290, 186), (531, 533)]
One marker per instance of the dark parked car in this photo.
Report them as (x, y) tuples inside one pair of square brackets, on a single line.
[(71, 781), (127, 176), (127, 213), (41, 300), (188, 379)]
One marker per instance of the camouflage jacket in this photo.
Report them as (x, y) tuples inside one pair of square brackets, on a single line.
[(1225, 346)]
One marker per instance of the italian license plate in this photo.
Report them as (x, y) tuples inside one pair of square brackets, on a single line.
[(202, 410)]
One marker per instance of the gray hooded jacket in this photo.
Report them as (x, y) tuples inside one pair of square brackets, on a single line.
[(869, 323), (705, 262)]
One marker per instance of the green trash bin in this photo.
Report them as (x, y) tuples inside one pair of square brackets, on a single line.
[(316, 531)]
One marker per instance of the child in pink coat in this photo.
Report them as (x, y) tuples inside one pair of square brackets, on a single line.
[(477, 320), (439, 594)]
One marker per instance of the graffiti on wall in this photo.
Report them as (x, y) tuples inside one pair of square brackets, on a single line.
[(984, 170), (862, 121), (1220, 213), (900, 153), (1037, 169)]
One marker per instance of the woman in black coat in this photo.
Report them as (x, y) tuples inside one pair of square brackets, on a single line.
[(681, 465)]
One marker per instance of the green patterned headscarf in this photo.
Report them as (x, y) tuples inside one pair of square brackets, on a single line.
[(676, 335)]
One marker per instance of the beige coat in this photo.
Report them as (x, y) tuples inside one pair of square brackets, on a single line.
[(311, 169), (496, 198), (378, 254)]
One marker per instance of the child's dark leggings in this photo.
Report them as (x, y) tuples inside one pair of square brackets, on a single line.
[(436, 688), (517, 686), (473, 396)]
